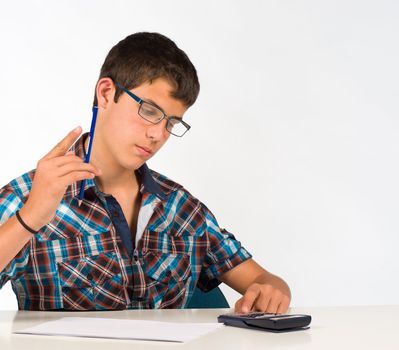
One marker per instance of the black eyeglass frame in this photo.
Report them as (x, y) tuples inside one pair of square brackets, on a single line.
[(168, 118)]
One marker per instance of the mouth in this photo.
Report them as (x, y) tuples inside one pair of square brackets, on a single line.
[(144, 150)]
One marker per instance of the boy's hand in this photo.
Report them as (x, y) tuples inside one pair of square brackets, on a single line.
[(54, 173), (261, 290), (272, 297)]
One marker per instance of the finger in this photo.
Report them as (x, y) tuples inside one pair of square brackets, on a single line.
[(237, 306), (273, 305), (283, 307), (76, 166), (68, 158), (75, 176), (65, 144), (262, 302), (249, 298)]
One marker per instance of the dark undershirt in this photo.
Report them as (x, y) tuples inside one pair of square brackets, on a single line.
[(122, 227)]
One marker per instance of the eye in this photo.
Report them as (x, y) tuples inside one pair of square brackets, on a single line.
[(150, 110)]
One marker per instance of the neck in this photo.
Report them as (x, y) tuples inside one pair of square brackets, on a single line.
[(114, 178)]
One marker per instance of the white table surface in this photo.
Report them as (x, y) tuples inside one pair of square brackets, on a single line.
[(357, 327)]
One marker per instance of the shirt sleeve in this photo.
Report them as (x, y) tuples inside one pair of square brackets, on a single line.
[(9, 204), (224, 253)]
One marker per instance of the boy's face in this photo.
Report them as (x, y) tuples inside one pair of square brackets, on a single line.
[(122, 133)]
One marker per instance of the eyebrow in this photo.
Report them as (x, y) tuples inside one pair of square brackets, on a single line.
[(153, 102)]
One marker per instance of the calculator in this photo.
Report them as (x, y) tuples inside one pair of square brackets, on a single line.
[(267, 322)]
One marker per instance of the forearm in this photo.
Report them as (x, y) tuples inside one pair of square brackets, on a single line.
[(249, 272), (13, 237)]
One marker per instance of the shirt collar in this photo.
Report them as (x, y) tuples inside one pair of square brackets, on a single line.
[(148, 183)]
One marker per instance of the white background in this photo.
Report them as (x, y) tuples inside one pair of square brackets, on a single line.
[(294, 141)]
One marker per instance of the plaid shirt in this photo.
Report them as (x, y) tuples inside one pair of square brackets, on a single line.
[(80, 261)]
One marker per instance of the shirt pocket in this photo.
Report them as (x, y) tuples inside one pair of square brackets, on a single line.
[(92, 283), (70, 221), (168, 276)]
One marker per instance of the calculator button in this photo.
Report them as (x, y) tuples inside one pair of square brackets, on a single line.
[(258, 314), (254, 314), (266, 316)]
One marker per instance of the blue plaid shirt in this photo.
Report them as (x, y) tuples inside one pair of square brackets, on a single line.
[(85, 258)]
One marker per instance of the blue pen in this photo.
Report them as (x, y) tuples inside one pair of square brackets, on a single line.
[(87, 158)]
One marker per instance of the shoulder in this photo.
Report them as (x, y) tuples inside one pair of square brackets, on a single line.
[(181, 205), (173, 190), (167, 185), (20, 186), (13, 194)]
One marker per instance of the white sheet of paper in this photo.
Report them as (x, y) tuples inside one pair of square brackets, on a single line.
[(122, 329)]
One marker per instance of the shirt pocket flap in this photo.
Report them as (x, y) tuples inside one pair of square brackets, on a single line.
[(162, 266), (89, 270)]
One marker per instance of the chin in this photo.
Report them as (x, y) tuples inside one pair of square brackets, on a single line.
[(132, 163)]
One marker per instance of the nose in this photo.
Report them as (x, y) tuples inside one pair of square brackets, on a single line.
[(158, 131)]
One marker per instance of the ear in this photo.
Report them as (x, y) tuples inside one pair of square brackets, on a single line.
[(105, 91)]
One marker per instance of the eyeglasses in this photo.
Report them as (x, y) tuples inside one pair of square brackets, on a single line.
[(148, 111)]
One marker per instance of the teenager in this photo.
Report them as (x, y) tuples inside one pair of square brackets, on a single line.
[(138, 239)]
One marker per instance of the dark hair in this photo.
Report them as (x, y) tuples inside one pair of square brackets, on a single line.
[(143, 57)]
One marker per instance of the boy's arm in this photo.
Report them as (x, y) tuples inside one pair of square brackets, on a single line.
[(262, 291), (54, 173), (14, 247)]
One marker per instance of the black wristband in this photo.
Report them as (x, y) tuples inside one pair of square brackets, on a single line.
[(23, 224)]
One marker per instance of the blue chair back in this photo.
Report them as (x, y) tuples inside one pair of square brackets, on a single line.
[(213, 299)]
